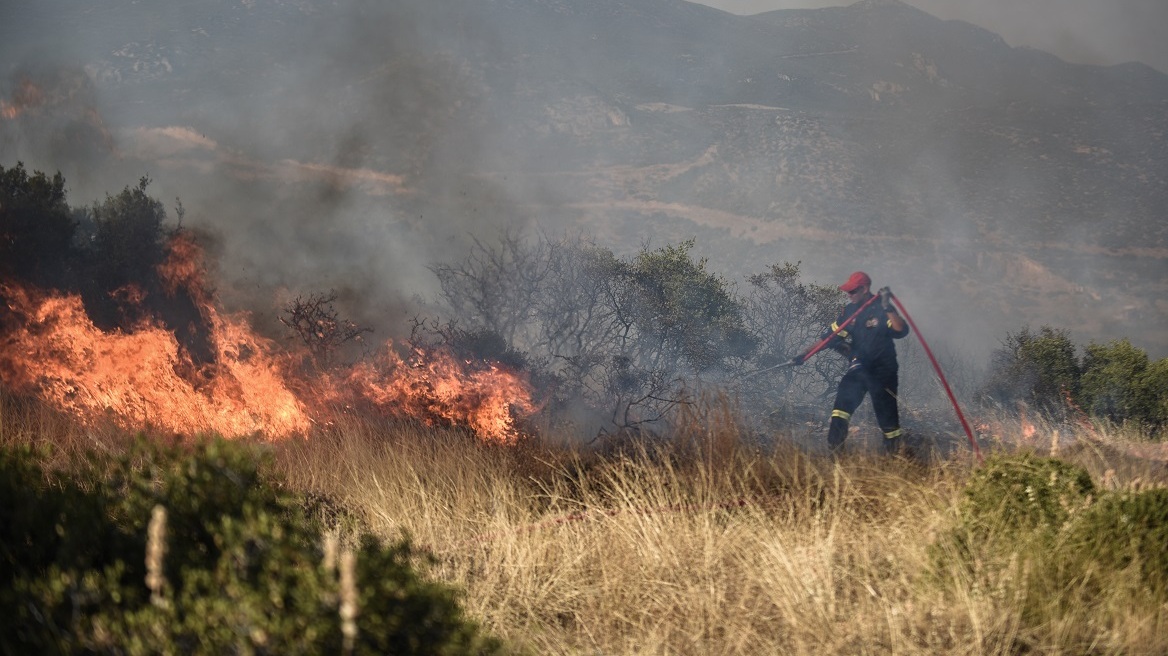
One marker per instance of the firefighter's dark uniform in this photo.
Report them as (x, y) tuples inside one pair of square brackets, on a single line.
[(873, 369)]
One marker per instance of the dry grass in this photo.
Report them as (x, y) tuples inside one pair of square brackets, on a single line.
[(701, 544)]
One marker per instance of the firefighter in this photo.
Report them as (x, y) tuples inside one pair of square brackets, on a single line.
[(872, 367)]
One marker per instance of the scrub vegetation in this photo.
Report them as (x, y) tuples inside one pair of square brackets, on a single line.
[(699, 542)]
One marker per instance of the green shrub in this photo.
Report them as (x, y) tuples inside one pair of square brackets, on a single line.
[(1010, 523), (1012, 507), (1038, 368), (1113, 382), (1122, 531), (1035, 534), (242, 571), (1024, 495), (1156, 383), (129, 236), (43, 522), (36, 226)]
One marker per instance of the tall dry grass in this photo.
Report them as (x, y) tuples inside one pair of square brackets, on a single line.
[(702, 543), (696, 545)]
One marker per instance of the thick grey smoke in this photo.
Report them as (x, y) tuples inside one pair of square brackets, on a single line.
[(357, 179), (351, 144)]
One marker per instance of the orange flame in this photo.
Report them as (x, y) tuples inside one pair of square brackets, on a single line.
[(184, 268), (437, 388), (145, 377), (133, 377), (27, 96)]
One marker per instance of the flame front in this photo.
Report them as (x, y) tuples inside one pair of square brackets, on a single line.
[(133, 378), (144, 376), (437, 388)]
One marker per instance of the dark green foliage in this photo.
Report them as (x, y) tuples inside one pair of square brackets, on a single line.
[(1156, 387), (122, 260), (43, 522), (1114, 381), (1038, 368), (1038, 534), (1119, 384), (403, 614), (129, 236), (245, 571), (36, 226), (1012, 507), (688, 313), (1123, 530)]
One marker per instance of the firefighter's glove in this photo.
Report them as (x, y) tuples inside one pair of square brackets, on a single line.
[(797, 361), (885, 295)]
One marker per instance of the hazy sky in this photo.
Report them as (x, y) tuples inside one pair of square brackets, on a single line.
[(1080, 31)]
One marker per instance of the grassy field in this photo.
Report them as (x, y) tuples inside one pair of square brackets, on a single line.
[(704, 544)]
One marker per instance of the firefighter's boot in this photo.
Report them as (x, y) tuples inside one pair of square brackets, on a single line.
[(837, 431), (893, 443), (892, 446)]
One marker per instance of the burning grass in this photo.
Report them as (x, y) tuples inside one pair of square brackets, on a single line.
[(225, 377)]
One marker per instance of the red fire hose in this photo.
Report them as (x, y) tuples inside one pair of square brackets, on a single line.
[(823, 342), (941, 375), (800, 359)]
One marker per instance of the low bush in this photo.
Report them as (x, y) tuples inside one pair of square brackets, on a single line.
[(1037, 535), (1010, 518), (1021, 497), (191, 550), (1124, 532)]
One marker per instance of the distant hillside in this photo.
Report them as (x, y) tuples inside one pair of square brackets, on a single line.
[(997, 181)]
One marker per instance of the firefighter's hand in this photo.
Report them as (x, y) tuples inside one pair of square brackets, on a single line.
[(885, 295)]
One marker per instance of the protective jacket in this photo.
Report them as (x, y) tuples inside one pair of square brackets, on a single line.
[(868, 338)]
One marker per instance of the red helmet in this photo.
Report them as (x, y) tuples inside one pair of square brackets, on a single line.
[(857, 280)]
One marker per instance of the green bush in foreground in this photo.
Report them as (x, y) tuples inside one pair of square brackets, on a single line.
[(1018, 498), (189, 550), (1122, 532), (1036, 534)]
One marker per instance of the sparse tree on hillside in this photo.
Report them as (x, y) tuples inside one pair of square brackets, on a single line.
[(493, 287), (684, 314), (627, 336)]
